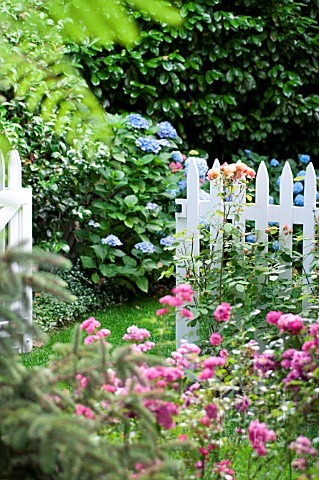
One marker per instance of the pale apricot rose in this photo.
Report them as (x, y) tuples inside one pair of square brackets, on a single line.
[(213, 173), (229, 170), (249, 172)]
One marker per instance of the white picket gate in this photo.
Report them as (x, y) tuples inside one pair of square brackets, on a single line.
[(261, 212), (16, 230)]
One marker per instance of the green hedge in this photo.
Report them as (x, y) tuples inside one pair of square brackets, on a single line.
[(236, 75)]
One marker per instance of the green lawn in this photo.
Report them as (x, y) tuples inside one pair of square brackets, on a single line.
[(141, 313)]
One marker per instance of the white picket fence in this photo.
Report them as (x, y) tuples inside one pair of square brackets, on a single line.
[(16, 230), (261, 212)]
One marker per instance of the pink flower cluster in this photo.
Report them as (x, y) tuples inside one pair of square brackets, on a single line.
[(181, 293), (85, 411), (222, 312), (242, 404), (175, 166), (91, 325), (136, 334), (300, 363), (223, 469), (303, 446), (264, 363), (215, 339), (287, 323), (163, 412), (210, 364), (259, 435)]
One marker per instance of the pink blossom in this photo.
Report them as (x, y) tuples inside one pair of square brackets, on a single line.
[(224, 353), (189, 348), (259, 435), (264, 363), (161, 311), (163, 412), (223, 469), (242, 404), (299, 464), (90, 325), (103, 333), (314, 329), (183, 437), (222, 312), (290, 323), (85, 411), (136, 334), (109, 388), (211, 410), (184, 291), (273, 317), (175, 166), (89, 339), (184, 312), (143, 347), (82, 380), (215, 339), (303, 446), (206, 373), (212, 362), (171, 301), (309, 345)]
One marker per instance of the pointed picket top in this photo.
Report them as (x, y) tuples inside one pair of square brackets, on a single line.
[(262, 202), (2, 172), (310, 183), (14, 170), (192, 196)]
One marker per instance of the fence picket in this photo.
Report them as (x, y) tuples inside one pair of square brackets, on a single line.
[(16, 230), (261, 212)]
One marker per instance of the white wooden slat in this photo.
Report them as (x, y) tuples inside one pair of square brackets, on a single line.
[(309, 222), (286, 215), (16, 227), (6, 213), (14, 171), (215, 205), (2, 172), (262, 203)]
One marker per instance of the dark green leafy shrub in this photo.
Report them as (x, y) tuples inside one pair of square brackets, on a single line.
[(234, 75), (50, 312)]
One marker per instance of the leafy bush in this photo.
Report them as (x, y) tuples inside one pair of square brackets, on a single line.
[(49, 312), (239, 75)]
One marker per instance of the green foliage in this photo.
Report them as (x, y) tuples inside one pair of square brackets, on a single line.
[(239, 75), (35, 67), (117, 204), (50, 312)]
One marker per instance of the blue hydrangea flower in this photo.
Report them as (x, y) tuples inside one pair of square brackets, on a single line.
[(299, 200), (167, 241), (112, 240), (164, 143), (203, 195), (148, 144), (298, 187), (166, 130), (145, 247), (276, 245), (278, 181), (177, 156), (304, 159), (137, 121), (201, 165), (248, 152), (271, 200), (151, 206), (302, 173), (94, 224), (203, 221), (229, 198), (250, 238), (182, 184), (274, 162), (273, 224), (173, 192)]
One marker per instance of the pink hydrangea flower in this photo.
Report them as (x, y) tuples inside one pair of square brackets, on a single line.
[(303, 446), (215, 339), (222, 312)]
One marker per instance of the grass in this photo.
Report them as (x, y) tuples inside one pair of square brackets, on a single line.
[(141, 312)]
